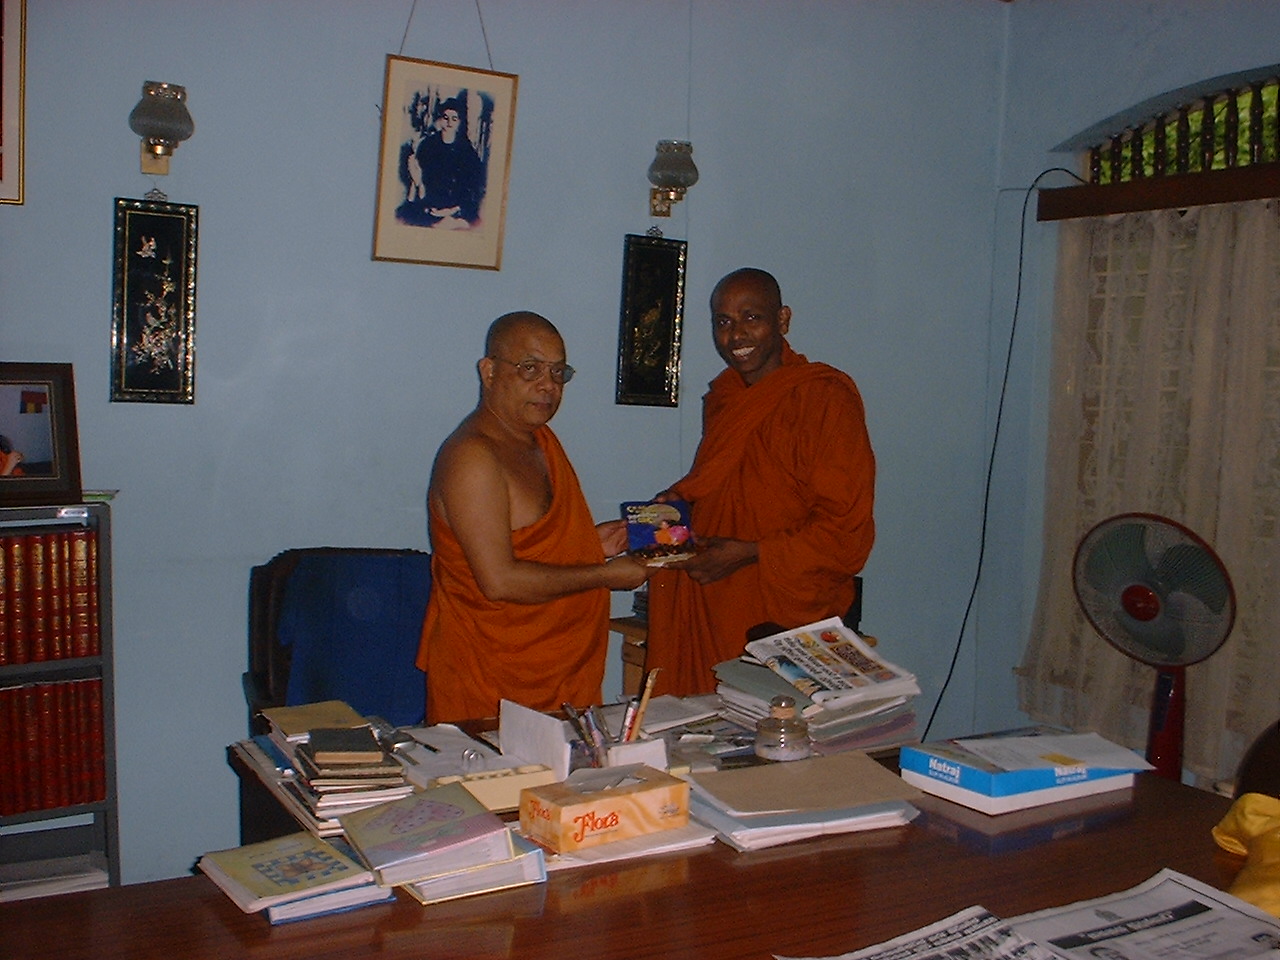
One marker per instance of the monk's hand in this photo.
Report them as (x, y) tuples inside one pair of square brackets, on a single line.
[(613, 536), (717, 557), (626, 573)]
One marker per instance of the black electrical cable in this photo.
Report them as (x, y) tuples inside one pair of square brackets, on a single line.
[(995, 440)]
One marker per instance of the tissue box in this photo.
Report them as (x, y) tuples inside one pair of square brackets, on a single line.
[(563, 818)]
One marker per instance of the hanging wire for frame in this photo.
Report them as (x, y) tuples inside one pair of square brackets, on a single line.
[(479, 16)]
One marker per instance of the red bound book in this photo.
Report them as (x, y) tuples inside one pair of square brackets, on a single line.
[(56, 566), (37, 595), (95, 636), (4, 614), (8, 753), (65, 693), (96, 743), (16, 597), (46, 696), (31, 748), (78, 761), (79, 589)]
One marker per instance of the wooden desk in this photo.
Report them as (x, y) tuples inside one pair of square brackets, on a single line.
[(713, 903)]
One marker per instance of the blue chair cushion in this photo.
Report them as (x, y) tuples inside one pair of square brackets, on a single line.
[(353, 622)]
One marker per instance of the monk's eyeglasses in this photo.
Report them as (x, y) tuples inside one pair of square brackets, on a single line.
[(532, 370)]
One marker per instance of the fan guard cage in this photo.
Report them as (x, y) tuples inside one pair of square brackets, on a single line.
[(1153, 589)]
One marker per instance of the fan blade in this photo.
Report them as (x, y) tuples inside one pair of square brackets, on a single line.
[(1188, 568), (1116, 558)]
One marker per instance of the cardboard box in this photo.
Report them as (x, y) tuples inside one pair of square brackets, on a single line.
[(572, 814)]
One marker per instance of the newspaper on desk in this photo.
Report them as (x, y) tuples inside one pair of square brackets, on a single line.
[(1169, 917), (832, 665)]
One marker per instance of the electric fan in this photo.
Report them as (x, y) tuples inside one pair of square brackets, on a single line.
[(1158, 593)]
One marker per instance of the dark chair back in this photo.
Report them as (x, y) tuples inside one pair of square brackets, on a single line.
[(338, 623)]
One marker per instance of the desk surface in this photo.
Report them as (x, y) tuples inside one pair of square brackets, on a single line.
[(854, 890)]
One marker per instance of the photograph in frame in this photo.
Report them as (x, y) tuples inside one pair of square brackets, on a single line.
[(13, 35), (39, 445), (653, 270), (154, 302), (444, 164)]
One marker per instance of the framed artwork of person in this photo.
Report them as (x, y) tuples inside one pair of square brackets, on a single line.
[(13, 31), (653, 271), (39, 445), (444, 164)]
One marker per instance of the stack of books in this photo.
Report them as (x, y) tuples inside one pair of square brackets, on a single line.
[(343, 769), (851, 697), (1016, 769), (755, 807), (428, 834), (293, 877), (325, 760)]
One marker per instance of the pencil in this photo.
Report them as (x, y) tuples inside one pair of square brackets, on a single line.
[(645, 694)]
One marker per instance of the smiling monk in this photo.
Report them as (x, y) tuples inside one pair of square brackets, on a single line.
[(782, 489), (519, 606)]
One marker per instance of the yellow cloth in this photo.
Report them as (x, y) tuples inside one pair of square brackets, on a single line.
[(1251, 829)]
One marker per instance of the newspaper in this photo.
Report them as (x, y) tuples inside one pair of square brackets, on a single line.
[(832, 665), (1169, 917)]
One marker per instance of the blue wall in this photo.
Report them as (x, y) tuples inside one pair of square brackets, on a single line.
[(872, 155)]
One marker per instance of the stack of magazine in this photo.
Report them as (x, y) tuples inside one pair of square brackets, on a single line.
[(293, 877), (852, 698)]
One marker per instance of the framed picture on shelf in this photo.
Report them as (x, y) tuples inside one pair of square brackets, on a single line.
[(153, 319), (39, 446), (444, 164), (13, 36), (652, 311)]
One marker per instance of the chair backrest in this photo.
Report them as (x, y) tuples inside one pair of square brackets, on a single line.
[(1260, 769), (339, 623)]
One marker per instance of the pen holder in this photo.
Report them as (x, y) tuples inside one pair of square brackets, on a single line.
[(652, 753)]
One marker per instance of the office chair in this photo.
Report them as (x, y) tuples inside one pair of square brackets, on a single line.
[(1260, 769), (338, 623)]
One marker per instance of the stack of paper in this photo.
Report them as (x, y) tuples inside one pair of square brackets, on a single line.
[(851, 697), (763, 806), (1010, 771), (432, 832), (293, 877), (526, 865)]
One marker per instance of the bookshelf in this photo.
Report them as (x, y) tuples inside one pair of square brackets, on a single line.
[(58, 801)]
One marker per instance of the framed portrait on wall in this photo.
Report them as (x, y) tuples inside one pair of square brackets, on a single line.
[(153, 320), (444, 164), (653, 271), (39, 445), (13, 36)]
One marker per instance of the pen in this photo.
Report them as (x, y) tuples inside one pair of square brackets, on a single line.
[(649, 681), (628, 719), (579, 725)]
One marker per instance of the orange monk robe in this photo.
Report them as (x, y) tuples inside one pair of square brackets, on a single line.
[(476, 651), (785, 463)]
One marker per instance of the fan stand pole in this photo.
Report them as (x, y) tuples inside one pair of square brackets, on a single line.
[(1164, 738)]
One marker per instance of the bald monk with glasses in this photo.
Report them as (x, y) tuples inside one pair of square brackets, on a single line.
[(521, 574)]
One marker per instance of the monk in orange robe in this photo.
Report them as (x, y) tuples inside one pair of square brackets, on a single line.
[(519, 605), (781, 490)]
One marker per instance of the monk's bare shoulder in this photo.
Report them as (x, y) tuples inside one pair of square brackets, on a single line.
[(468, 457)]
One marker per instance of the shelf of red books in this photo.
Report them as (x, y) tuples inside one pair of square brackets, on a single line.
[(58, 817)]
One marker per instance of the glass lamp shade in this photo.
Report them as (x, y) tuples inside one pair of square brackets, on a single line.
[(161, 117), (671, 173), (673, 165)]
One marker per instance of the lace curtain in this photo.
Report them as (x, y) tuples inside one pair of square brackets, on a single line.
[(1165, 399)]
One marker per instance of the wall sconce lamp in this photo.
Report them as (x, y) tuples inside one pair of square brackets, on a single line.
[(671, 173), (162, 121)]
